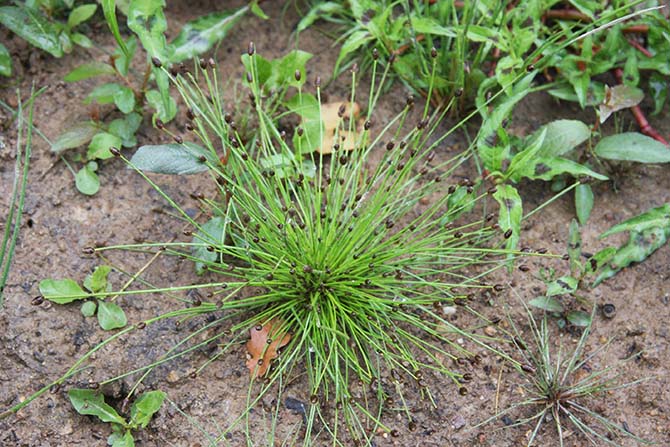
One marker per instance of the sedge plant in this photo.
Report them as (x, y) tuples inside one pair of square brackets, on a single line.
[(560, 385), (337, 266)]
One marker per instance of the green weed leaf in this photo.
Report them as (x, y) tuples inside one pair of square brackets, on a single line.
[(87, 181), (93, 403), (121, 440), (180, 159), (575, 247), (103, 94), (75, 136), (199, 35), (61, 291), (654, 218), (88, 308), (109, 9), (165, 105), (97, 281), (110, 315), (5, 61), (147, 20), (561, 137), (32, 26), (355, 40), (89, 70), (80, 14), (579, 318), (145, 407), (546, 168), (319, 11), (124, 98), (125, 128), (583, 202), (633, 146), (562, 286), (100, 144), (82, 40), (618, 98), (511, 212), (547, 303), (213, 232)]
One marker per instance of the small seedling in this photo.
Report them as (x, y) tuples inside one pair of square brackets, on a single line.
[(90, 402), (63, 291), (559, 290), (558, 387)]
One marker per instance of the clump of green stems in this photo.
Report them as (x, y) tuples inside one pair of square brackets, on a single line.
[(558, 386)]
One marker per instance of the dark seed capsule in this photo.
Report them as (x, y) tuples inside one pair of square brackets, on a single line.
[(609, 311), (250, 78), (541, 250), (178, 139), (211, 63), (508, 234), (433, 52), (141, 325), (251, 49), (467, 377), (411, 426), (39, 299), (297, 75), (367, 125), (189, 114), (174, 70), (115, 151), (530, 68), (458, 92), (203, 64), (314, 399), (463, 391), (317, 82), (157, 62), (375, 54), (88, 250), (395, 433), (498, 287), (524, 268), (307, 269), (189, 127), (528, 368), (159, 124)]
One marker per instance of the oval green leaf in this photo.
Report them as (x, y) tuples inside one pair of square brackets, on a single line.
[(111, 316), (89, 70), (633, 146), (32, 26), (88, 308), (547, 303), (100, 144), (583, 202), (87, 181), (75, 136), (180, 159), (93, 403), (61, 291)]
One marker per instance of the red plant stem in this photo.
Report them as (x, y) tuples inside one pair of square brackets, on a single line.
[(640, 48), (639, 29), (645, 127), (566, 14)]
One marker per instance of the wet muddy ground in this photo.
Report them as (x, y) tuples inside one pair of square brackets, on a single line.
[(40, 343)]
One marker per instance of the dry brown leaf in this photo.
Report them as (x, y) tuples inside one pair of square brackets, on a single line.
[(330, 115), (263, 346)]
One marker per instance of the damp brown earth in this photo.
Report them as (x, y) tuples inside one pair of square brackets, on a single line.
[(40, 343)]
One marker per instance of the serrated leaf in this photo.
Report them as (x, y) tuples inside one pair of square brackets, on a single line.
[(110, 315), (547, 303), (145, 407), (562, 286), (561, 137), (213, 232), (75, 136), (80, 14), (89, 70), (583, 202), (88, 308), (5, 61), (124, 98), (97, 281), (180, 159), (199, 35), (87, 181), (633, 146), (93, 403), (579, 318), (100, 144), (62, 291), (32, 26)]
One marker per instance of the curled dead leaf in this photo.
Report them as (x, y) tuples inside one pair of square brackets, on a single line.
[(263, 345), (332, 113)]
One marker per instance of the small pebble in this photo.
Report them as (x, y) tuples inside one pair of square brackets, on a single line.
[(458, 422), (490, 331)]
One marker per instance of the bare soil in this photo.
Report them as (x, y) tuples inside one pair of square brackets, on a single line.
[(39, 343)]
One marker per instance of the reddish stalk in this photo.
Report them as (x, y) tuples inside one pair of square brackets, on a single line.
[(645, 127)]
